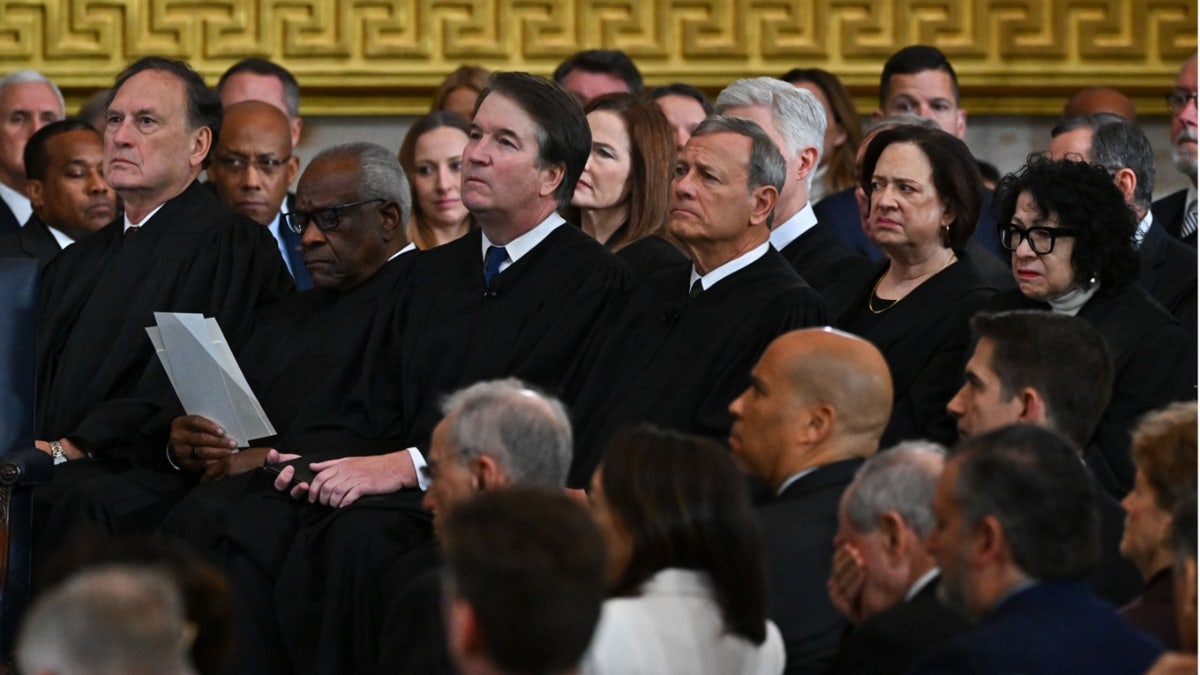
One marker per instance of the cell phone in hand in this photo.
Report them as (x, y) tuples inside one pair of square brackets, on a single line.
[(303, 473)]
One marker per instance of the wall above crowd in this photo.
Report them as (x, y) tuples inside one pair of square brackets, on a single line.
[(383, 57)]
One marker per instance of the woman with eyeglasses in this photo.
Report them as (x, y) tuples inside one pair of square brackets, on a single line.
[(924, 193), (1073, 252)]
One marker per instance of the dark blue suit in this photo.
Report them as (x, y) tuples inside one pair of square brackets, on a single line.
[(295, 260), (1052, 628)]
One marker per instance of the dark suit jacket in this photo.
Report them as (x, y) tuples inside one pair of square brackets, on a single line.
[(798, 529), (890, 641), (8, 222), (821, 257), (1168, 273), (1050, 628), (1169, 212), (32, 241)]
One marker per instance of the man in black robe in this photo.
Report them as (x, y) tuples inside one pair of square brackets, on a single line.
[(66, 187), (675, 357), (176, 249), (817, 405), (795, 120)]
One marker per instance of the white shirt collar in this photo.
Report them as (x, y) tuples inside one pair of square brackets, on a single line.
[(60, 236), (921, 582), (524, 243), (1140, 234), (793, 478), (129, 223), (744, 260), (276, 229), (790, 230), (407, 249), (17, 203)]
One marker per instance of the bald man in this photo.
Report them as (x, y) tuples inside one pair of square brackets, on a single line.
[(1096, 100), (253, 167), (816, 407)]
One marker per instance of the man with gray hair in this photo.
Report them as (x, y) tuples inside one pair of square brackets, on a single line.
[(883, 578), (673, 357), (795, 120), (28, 102), (117, 620), (1177, 211), (1168, 267)]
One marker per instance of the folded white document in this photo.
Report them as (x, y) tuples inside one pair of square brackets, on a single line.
[(206, 376)]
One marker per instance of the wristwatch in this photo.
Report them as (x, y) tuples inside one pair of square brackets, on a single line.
[(56, 451)]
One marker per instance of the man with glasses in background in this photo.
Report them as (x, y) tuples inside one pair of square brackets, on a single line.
[(1177, 211)]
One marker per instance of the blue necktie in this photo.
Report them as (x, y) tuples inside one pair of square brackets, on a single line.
[(491, 263)]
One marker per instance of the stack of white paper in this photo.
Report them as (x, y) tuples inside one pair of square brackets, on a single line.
[(206, 376)]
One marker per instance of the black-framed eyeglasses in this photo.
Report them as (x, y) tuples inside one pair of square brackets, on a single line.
[(1178, 99), (326, 219), (1041, 239), (236, 164)]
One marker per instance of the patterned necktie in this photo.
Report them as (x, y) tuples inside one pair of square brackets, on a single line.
[(697, 289), (1189, 221), (491, 264)]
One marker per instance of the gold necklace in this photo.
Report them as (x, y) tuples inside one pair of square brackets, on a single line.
[(875, 288)]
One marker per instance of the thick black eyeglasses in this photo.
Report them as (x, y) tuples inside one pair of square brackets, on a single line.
[(1041, 239), (235, 164), (1178, 99), (326, 219)]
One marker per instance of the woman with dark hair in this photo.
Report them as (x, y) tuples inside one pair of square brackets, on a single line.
[(622, 196), (923, 190), (843, 131), (458, 92), (1071, 237), (432, 159), (685, 566)]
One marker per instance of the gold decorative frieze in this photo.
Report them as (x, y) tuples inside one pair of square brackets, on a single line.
[(384, 56)]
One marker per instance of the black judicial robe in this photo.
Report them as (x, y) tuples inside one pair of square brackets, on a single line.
[(821, 257), (678, 363), (649, 255), (32, 241), (99, 380), (924, 338), (1154, 363)]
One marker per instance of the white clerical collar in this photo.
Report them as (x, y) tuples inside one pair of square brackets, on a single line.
[(744, 260), (921, 582), (1142, 228), (60, 236), (129, 223), (17, 203), (790, 231), (524, 243)]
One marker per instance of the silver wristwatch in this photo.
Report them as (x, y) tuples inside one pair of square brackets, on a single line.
[(56, 451)]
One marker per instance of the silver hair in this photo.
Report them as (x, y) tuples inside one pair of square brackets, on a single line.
[(528, 433), (108, 620), (901, 479), (766, 166), (798, 115), (382, 175), (28, 75)]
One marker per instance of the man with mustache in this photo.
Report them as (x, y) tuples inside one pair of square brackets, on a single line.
[(1177, 211)]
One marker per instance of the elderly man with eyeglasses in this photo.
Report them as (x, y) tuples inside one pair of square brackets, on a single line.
[(1177, 211), (252, 168)]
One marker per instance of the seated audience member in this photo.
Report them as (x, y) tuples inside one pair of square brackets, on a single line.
[(524, 582), (685, 570), (923, 187), (989, 173), (622, 195), (591, 73), (884, 580), (1017, 373), (458, 92), (793, 118), (207, 600), (843, 131), (66, 188), (28, 102), (94, 110), (1100, 100), (1167, 267), (1015, 536), (1164, 453), (1071, 238), (252, 167), (817, 404), (494, 436), (1177, 211), (1183, 541), (119, 620), (673, 357), (256, 79), (431, 155), (685, 107)]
